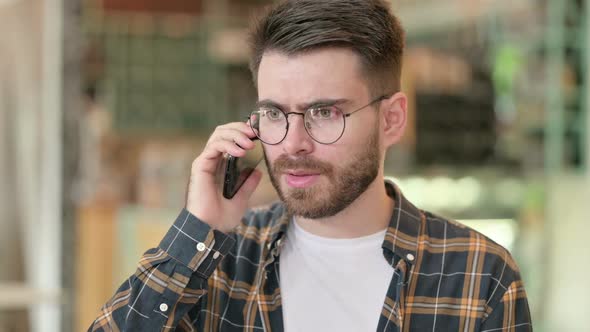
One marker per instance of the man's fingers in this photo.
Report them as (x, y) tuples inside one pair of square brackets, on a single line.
[(233, 135), (211, 156), (238, 126)]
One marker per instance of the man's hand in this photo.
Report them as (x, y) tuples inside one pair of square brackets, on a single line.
[(204, 197)]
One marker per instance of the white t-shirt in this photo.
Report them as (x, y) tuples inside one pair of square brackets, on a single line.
[(332, 284)]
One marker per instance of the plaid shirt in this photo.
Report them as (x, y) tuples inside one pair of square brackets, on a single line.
[(446, 277)]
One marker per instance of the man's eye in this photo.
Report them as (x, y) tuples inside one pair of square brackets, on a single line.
[(273, 114), (322, 113)]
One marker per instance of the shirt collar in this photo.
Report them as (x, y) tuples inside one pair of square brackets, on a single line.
[(404, 226), (402, 233), (278, 228)]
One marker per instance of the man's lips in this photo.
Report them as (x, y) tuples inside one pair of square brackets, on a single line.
[(301, 172), (301, 178)]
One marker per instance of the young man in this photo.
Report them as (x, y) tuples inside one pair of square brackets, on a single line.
[(343, 250)]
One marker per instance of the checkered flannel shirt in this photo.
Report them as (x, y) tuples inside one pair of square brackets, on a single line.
[(447, 277)]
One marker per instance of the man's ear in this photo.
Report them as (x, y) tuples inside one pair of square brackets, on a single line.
[(394, 113)]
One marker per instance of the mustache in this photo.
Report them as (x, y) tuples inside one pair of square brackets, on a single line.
[(284, 162)]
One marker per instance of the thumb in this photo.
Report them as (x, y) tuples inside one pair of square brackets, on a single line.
[(249, 186)]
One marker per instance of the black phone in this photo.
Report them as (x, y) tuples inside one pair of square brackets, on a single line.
[(237, 170)]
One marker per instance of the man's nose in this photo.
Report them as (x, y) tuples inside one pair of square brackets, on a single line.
[(297, 140)]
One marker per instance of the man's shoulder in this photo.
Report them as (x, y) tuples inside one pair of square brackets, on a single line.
[(261, 221), (467, 259), (446, 229), (460, 242), (263, 215)]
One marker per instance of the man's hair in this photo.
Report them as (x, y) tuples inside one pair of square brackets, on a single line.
[(367, 27)]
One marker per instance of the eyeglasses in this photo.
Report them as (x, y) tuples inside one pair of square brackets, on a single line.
[(325, 124)]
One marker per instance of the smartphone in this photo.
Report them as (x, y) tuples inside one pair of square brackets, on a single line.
[(237, 170)]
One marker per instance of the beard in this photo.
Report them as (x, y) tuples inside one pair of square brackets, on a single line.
[(346, 182)]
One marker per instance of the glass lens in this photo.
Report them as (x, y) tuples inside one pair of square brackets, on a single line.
[(270, 125), (324, 124)]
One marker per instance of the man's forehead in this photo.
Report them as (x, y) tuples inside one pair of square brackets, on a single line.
[(321, 59), (303, 78)]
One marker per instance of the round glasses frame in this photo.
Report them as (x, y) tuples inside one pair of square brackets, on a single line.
[(286, 114)]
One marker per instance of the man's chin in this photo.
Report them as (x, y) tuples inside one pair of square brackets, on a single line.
[(298, 191), (304, 203), (301, 209), (298, 196)]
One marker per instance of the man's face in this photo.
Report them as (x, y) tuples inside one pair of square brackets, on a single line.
[(316, 180)]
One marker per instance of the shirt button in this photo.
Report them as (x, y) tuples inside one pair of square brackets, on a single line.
[(410, 257), (201, 246), (163, 307), (215, 255)]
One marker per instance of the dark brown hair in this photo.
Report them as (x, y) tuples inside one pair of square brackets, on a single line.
[(367, 27)]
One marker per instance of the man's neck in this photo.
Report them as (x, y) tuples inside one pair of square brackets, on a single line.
[(368, 214)]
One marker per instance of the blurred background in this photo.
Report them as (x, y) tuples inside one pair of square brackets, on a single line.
[(105, 103)]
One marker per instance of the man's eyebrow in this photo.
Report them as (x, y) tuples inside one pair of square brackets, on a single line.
[(270, 104), (322, 102), (305, 106)]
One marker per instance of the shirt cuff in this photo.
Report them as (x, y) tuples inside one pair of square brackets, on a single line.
[(195, 244)]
